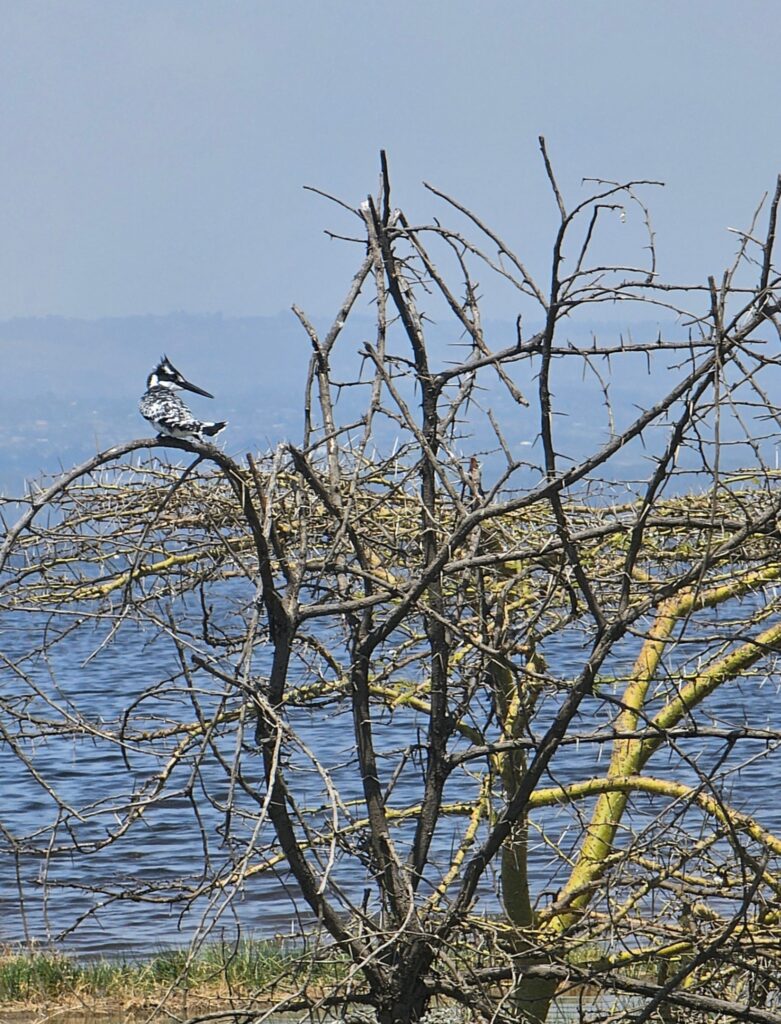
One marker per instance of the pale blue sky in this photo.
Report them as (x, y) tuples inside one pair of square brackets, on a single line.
[(154, 151)]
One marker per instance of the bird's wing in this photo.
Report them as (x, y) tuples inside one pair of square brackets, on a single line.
[(169, 411)]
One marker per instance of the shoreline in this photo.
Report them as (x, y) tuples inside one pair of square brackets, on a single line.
[(220, 976)]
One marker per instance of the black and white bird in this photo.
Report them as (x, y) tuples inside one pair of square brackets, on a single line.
[(167, 412)]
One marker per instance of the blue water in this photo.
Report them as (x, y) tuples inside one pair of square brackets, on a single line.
[(51, 872), (44, 898)]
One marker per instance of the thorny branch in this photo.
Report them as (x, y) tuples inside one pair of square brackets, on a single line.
[(386, 660)]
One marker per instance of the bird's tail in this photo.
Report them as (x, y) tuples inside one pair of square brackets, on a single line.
[(210, 429)]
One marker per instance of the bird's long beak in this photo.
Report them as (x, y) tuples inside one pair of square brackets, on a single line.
[(192, 387)]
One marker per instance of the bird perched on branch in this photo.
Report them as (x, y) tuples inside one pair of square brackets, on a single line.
[(165, 410)]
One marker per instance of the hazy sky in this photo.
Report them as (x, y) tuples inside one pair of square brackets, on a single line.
[(154, 151)]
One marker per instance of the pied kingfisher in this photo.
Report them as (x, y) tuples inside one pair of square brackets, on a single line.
[(167, 412)]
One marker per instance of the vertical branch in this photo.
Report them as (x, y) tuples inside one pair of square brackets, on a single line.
[(320, 368), (546, 409), (438, 728), (552, 178), (518, 804), (770, 241)]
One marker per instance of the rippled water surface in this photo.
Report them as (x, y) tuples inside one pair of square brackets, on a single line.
[(171, 844)]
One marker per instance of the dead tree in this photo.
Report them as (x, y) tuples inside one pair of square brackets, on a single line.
[(462, 617)]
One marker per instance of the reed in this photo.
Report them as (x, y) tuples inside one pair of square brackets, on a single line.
[(250, 966)]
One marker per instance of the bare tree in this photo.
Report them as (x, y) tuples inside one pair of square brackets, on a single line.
[(463, 619)]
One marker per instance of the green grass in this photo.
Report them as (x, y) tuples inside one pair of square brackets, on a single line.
[(24, 977), (246, 966)]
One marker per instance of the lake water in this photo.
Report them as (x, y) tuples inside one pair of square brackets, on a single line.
[(44, 899)]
